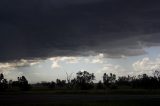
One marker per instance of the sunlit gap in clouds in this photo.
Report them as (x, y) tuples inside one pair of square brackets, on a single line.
[(56, 67), (51, 68)]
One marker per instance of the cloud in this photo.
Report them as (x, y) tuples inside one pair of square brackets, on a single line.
[(70, 60), (55, 65), (112, 68), (56, 61), (67, 60), (98, 59), (146, 65), (49, 28), (8, 66)]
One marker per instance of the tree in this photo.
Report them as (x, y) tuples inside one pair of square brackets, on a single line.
[(23, 83), (109, 80), (3, 83), (100, 85), (60, 83), (1, 76), (156, 74), (125, 81), (85, 80), (52, 85), (69, 85)]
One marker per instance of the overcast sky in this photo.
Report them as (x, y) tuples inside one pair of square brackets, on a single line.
[(44, 39)]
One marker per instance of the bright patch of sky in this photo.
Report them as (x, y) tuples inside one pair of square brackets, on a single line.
[(57, 67)]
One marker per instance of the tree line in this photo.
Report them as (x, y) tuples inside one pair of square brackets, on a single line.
[(85, 81)]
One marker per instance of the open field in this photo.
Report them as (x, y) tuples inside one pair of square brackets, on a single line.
[(88, 92), (81, 98), (115, 100)]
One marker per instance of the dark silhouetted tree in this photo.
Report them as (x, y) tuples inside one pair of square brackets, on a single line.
[(52, 85), (3, 83), (109, 80), (61, 83), (23, 83), (85, 80), (100, 85), (69, 85), (157, 77), (125, 81)]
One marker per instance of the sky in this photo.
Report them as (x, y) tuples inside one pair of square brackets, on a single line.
[(45, 39)]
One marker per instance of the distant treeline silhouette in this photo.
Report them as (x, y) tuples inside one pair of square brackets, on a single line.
[(85, 80)]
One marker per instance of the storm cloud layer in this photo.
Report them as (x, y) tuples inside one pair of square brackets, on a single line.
[(44, 28)]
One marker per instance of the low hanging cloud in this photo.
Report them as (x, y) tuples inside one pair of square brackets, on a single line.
[(68, 60), (111, 68), (55, 65), (8, 66), (146, 65), (49, 28), (98, 59)]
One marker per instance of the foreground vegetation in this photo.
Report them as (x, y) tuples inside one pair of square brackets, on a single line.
[(97, 103), (85, 81), (111, 103), (46, 93)]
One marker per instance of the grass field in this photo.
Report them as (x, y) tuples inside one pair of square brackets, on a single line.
[(46, 97), (88, 92), (98, 103)]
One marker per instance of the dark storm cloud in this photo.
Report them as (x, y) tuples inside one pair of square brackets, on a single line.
[(43, 28)]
